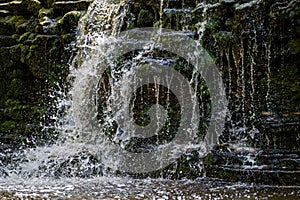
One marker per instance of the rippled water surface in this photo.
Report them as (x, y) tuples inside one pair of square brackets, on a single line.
[(123, 188)]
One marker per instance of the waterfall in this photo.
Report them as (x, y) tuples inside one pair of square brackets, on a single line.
[(128, 110), (151, 103), (75, 152), (268, 57), (112, 97)]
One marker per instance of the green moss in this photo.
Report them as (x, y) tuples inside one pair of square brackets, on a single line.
[(156, 25), (9, 126), (12, 102), (212, 26), (68, 38), (54, 51), (14, 24), (31, 36), (24, 36), (16, 52), (21, 113), (145, 18), (32, 6), (294, 46), (130, 25), (31, 56), (223, 38), (24, 52), (16, 88), (208, 161), (15, 36), (17, 20), (45, 12), (39, 29), (68, 22), (173, 20), (25, 66)]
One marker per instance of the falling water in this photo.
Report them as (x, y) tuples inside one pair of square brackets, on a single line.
[(268, 55), (202, 24), (253, 54), (74, 153), (243, 84), (161, 12), (96, 117)]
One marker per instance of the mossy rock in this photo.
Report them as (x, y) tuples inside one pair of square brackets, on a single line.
[(33, 6), (47, 3), (68, 23), (28, 58), (24, 37), (294, 46), (6, 41), (17, 25), (9, 25), (62, 7), (68, 38), (9, 126), (145, 19), (45, 13)]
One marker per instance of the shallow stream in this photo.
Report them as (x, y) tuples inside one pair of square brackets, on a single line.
[(126, 188)]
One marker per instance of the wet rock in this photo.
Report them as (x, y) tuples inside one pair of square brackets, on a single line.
[(145, 19), (279, 167), (27, 44), (3, 173), (13, 7), (83, 164), (60, 8), (24, 7), (6, 41), (33, 6), (68, 22)]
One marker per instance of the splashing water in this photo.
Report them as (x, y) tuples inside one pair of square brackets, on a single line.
[(104, 116), (96, 119)]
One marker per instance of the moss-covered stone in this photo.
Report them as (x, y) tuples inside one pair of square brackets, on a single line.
[(47, 3), (45, 12), (24, 37), (62, 7), (33, 59), (16, 21), (294, 46), (68, 22), (6, 41), (145, 18), (33, 6)]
